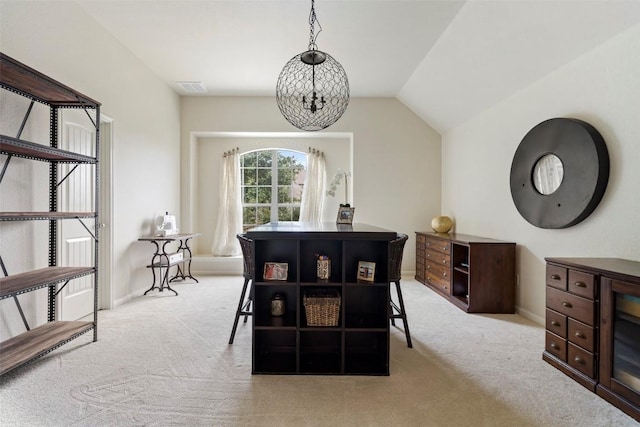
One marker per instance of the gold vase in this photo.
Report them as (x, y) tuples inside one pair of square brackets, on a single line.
[(441, 224)]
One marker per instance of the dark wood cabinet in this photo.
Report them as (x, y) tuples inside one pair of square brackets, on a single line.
[(593, 326), (475, 273), (359, 343)]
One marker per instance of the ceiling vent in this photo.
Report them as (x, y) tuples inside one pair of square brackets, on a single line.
[(192, 87)]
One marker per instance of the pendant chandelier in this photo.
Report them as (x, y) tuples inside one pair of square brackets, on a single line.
[(313, 89)]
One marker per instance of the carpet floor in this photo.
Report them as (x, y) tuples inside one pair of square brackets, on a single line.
[(164, 360)]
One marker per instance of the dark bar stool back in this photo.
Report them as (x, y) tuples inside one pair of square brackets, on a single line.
[(248, 272), (397, 311)]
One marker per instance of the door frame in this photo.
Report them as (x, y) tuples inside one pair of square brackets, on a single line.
[(105, 214)]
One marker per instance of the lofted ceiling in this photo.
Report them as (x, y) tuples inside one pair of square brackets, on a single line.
[(447, 60)]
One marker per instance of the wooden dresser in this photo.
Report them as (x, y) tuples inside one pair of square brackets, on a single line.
[(593, 325), (474, 273), (570, 321)]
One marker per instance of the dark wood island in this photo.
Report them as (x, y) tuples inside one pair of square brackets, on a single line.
[(356, 340)]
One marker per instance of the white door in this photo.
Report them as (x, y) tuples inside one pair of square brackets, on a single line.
[(76, 194)]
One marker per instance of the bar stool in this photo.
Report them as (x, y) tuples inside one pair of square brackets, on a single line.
[(397, 311), (248, 272)]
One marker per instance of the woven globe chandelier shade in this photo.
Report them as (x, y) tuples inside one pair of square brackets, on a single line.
[(313, 89)]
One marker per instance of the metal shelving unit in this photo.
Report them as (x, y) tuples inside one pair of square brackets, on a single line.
[(34, 343)]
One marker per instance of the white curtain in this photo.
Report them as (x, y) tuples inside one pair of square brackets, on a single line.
[(229, 222), (314, 187)]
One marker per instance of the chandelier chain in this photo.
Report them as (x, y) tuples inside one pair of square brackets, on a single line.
[(313, 19)]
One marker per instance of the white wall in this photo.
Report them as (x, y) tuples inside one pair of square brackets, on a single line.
[(61, 41), (396, 157), (602, 88)]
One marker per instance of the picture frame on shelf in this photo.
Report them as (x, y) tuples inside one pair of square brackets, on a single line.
[(345, 214), (366, 271), (275, 271)]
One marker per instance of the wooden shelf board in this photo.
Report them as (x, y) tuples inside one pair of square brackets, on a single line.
[(32, 280), (38, 341), (31, 83), (31, 150), (28, 216)]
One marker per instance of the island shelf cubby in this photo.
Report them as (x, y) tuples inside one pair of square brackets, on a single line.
[(359, 343)]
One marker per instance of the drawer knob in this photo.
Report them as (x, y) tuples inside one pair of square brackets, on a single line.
[(581, 284), (428, 267), (444, 261), (555, 323), (567, 304), (444, 248), (555, 346), (578, 359), (580, 334), (444, 274), (555, 277)]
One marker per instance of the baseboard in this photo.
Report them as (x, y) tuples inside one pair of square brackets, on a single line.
[(210, 265), (529, 315)]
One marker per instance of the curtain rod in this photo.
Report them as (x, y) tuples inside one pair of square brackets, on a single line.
[(231, 152), (316, 152)]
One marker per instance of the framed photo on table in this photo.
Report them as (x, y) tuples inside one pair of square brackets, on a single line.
[(275, 271), (345, 214), (366, 271)]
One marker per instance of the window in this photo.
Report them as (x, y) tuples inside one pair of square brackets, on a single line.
[(272, 182)]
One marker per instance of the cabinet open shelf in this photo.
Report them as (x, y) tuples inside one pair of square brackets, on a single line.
[(359, 343)]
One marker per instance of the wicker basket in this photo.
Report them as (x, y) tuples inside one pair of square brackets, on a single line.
[(322, 308)]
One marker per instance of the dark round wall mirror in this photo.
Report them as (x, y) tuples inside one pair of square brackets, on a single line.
[(547, 174), (559, 173)]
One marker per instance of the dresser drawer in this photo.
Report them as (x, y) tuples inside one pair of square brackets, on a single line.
[(420, 238), (583, 284), (420, 252), (420, 276), (571, 305), (556, 277), (438, 282), (581, 334), (556, 346), (440, 270), (438, 258), (438, 245), (556, 323), (581, 359)]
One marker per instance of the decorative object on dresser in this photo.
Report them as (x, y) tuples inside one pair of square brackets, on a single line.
[(36, 341), (559, 173), (441, 224), (593, 326), (476, 274)]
